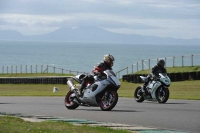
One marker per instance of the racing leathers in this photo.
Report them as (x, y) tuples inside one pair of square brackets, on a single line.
[(154, 73), (98, 70)]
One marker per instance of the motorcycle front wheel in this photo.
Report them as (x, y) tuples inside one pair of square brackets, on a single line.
[(108, 101), (138, 95), (69, 103), (162, 95)]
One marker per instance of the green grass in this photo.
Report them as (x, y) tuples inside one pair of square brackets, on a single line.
[(32, 89), (178, 90), (174, 70), (185, 90), (10, 124), (33, 75)]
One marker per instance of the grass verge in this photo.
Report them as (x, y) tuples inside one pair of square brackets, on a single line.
[(189, 90), (178, 90), (10, 124), (33, 75)]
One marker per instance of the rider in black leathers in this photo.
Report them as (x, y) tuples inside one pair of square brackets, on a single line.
[(159, 68)]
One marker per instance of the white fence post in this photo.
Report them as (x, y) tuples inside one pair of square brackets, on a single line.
[(182, 61), (142, 64), (36, 69), (2, 69), (149, 64), (192, 60), (132, 68), (21, 69)]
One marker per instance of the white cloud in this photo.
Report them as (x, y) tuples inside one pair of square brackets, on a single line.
[(125, 2), (90, 1), (167, 18), (32, 19)]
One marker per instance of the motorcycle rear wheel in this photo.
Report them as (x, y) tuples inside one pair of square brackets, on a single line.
[(138, 95), (69, 103), (162, 95), (108, 102)]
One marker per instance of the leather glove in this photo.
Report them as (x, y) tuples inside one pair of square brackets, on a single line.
[(97, 73)]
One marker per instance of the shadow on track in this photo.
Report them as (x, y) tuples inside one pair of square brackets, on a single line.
[(175, 103), (7, 103), (110, 110), (154, 102)]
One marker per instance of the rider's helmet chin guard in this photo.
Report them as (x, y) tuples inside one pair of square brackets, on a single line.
[(109, 59), (161, 63)]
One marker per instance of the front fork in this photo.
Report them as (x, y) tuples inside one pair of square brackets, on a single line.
[(106, 94), (161, 91)]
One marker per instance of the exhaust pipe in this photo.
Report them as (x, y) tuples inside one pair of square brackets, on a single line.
[(71, 84)]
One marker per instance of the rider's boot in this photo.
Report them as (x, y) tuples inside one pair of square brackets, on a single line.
[(144, 91), (81, 89), (79, 92), (143, 88)]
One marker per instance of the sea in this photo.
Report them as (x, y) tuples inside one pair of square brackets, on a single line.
[(82, 57)]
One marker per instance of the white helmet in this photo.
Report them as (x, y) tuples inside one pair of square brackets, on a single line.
[(109, 59)]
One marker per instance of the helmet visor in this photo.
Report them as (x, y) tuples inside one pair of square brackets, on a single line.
[(111, 63), (161, 63)]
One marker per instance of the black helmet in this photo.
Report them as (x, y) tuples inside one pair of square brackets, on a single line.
[(161, 63)]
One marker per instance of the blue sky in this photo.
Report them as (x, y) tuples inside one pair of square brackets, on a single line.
[(163, 18)]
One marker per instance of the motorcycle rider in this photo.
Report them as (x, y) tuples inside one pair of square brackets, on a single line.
[(159, 68), (106, 64)]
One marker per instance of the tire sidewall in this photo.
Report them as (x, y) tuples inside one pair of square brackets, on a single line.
[(166, 90), (66, 101), (135, 95), (113, 103)]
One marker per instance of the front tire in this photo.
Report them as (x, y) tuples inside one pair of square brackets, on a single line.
[(69, 103), (138, 95), (162, 95), (108, 101)]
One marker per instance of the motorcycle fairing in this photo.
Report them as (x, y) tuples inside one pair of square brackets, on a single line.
[(165, 79), (79, 78), (153, 86), (92, 90), (144, 79), (89, 96), (113, 77)]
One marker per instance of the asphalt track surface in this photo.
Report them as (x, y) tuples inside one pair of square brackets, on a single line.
[(178, 115)]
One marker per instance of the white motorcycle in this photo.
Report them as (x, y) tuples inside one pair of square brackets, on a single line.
[(156, 90), (102, 93)]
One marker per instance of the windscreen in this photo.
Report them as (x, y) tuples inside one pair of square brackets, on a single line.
[(110, 72)]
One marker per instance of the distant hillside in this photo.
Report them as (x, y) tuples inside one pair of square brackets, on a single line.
[(10, 35), (94, 35)]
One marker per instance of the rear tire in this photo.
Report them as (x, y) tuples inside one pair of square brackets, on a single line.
[(138, 95), (108, 103), (162, 95), (69, 103)]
